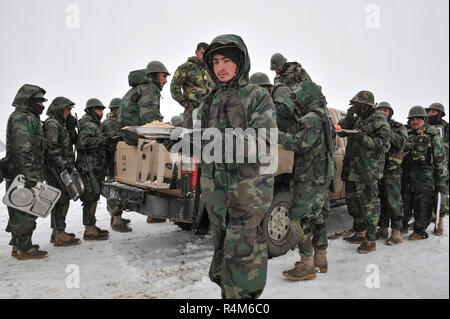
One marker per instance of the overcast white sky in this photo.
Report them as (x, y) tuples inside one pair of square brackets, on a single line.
[(398, 49)]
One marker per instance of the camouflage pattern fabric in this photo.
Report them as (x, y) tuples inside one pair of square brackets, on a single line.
[(293, 75), (91, 143), (25, 146), (426, 172), (141, 104), (445, 195), (237, 194), (284, 105), (313, 167), (390, 185), (60, 154), (189, 86)]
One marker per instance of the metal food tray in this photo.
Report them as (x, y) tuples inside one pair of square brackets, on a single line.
[(38, 201), (347, 131), (157, 132)]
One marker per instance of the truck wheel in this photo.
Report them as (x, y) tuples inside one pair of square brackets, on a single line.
[(184, 226), (281, 234)]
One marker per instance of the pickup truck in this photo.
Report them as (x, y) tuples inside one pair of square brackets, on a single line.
[(148, 181)]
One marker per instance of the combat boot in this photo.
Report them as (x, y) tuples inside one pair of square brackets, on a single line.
[(64, 239), (320, 260), (91, 233), (103, 231), (439, 229), (155, 220), (32, 253), (125, 220), (395, 239), (357, 238), (367, 247), (418, 236), (14, 249), (119, 226), (303, 270), (382, 233), (52, 236)]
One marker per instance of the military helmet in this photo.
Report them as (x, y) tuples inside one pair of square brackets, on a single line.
[(276, 61), (156, 67), (176, 120), (363, 97), (115, 103), (417, 111), (385, 104), (437, 107), (260, 78), (39, 96), (95, 103)]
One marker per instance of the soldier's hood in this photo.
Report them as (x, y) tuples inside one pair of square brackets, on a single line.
[(138, 77), (310, 96), (232, 40), (56, 109), (24, 94)]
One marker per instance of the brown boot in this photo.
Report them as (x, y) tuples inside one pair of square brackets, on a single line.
[(303, 270), (32, 253), (357, 238), (155, 220), (367, 247), (418, 236), (125, 220), (103, 231), (91, 233), (320, 260), (14, 249), (64, 239), (439, 230), (52, 237), (395, 239), (382, 233), (119, 226)]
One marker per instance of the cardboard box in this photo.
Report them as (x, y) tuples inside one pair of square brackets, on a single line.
[(285, 161), (125, 162)]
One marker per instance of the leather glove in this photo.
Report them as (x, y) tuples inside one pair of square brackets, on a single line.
[(71, 123), (30, 183), (351, 111)]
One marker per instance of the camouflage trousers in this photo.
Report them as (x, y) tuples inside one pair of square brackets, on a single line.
[(89, 200), (59, 212), (420, 201), (114, 207), (21, 225), (239, 263), (311, 208), (391, 203), (363, 204)]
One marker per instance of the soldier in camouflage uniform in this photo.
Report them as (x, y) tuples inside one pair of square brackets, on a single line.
[(313, 173), (289, 73), (61, 137), (425, 169), (141, 104), (436, 113), (390, 185), (92, 145), (25, 152), (363, 167), (281, 96), (237, 196), (191, 83), (111, 129)]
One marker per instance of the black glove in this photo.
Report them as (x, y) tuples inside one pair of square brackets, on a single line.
[(30, 183), (351, 111), (71, 123), (358, 136), (1, 176), (68, 166)]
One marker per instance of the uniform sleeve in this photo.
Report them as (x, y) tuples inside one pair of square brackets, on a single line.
[(440, 162), (88, 140), (52, 133), (283, 103), (380, 141), (175, 86), (398, 137), (148, 104), (22, 139), (303, 75), (305, 139)]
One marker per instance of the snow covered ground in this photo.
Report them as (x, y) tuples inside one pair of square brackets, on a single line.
[(162, 261)]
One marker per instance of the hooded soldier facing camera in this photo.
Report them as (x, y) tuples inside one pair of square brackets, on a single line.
[(363, 167), (25, 153)]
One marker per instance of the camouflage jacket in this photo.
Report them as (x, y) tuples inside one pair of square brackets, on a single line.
[(313, 163), (237, 104), (425, 163), (92, 143), (140, 105), (110, 128), (394, 158), (25, 141), (284, 105), (445, 126), (364, 159), (293, 75), (60, 145), (191, 82)]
